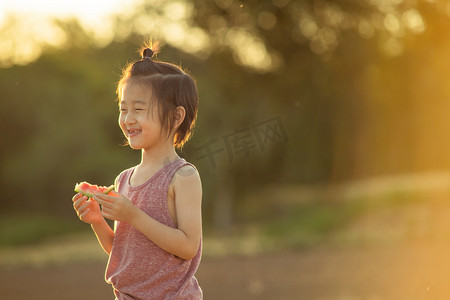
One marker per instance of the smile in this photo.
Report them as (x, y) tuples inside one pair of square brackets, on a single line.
[(133, 133)]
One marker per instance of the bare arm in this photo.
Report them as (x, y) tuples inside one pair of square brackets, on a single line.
[(182, 241), (104, 234)]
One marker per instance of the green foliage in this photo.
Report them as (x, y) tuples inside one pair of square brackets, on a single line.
[(59, 128), (351, 105), (32, 228)]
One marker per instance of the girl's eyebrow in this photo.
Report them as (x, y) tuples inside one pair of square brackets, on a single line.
[(137, 101)]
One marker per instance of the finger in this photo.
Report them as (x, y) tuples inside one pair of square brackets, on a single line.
[(107, 210), (83, 207), (102, 201), (76, 197), (99, 201), (105, 197), (79, 202), (83, 214), (107, 215)]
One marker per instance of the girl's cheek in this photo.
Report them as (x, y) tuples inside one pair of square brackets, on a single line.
[(121, 124), (121, 119)]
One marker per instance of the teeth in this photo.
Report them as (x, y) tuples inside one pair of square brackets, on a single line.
[(133, 132)]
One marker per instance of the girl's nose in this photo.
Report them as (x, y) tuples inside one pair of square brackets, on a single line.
[(129, 118)]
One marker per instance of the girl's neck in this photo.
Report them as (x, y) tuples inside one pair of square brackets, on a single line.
[(158, 156)]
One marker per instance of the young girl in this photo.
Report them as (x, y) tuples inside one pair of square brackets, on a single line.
[(155, 247)]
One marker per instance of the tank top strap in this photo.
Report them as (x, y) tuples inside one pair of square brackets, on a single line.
[(122, 178), (174, 166)]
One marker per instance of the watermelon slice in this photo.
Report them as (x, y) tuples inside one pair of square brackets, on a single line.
[(89, 190)]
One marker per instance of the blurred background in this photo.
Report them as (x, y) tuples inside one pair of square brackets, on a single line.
[(321, 140)]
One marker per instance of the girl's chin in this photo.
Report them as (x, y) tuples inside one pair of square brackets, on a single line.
[(135, 146)]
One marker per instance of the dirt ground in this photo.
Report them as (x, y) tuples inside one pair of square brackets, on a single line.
[(417, 270)]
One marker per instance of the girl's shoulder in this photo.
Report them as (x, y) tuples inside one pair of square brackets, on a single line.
[(185, 168), (187, 175), (123, 174)]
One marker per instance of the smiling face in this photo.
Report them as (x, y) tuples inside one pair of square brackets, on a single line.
[(138, 118)]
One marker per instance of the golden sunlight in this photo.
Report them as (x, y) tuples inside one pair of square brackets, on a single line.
[(87, 11), (249, 50), (26, 25)]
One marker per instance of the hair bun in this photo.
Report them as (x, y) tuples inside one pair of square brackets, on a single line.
[(147, 53)]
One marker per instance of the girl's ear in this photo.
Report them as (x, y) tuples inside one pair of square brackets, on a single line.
[(180, 114)]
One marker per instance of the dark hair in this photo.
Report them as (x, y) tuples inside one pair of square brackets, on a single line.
[(171, 87)]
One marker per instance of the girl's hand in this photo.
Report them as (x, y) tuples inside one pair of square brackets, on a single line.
[(87, 210), (117, 207)]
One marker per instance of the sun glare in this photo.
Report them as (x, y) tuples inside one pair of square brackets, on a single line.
[(27, 25), (87, 11)]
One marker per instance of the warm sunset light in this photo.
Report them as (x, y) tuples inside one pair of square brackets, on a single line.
[(26, 25), (90, 12), (320, 136)]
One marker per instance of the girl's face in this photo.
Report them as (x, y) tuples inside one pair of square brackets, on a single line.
[(138, 118)]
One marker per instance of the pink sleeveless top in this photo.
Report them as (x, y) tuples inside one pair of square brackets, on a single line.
[(139, 269)]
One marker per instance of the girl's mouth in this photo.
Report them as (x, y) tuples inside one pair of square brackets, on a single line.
[(133, 133)]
